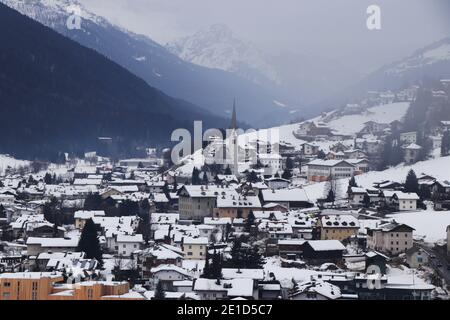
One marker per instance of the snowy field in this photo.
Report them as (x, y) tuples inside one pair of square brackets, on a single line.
[(8, 161), (431, 225), (439, 168), (352, 124)]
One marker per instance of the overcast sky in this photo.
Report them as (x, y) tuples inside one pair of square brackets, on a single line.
[(333, 29)]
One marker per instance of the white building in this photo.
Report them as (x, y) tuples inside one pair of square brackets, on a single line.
[(272, 161), (322, 170), (126, 245)]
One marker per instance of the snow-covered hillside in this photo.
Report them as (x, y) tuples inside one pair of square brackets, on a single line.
[(438, 52), (8, 161), (351, 124), (347, 124), (438, 168), (216, 47)]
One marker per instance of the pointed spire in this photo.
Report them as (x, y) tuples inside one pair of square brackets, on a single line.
[(234, 118)]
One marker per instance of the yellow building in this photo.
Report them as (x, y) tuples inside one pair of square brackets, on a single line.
[(338, 227), (195, 248), (50, 286), (236, 206)]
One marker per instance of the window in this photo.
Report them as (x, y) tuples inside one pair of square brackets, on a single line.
[(90, 294), (7, 284), (6, 295)]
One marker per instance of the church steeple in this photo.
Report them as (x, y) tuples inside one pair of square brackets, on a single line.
[(234, 117), (234, 140)]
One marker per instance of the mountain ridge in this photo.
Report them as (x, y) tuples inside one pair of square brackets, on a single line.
[(210, 89), (60, 96)]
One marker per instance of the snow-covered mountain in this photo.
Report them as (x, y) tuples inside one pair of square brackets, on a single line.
[(211, 89), (217, 47), (431, 62), (436, 53)]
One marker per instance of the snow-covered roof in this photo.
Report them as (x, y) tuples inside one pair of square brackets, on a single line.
[(207, 191), (233, 287), (170, 267), (29, 275), (238, 202), (339, 221), (85, 214), (199, 241), (329, 163), (284, 195), (53, 242), (326, 245), (137, 238), (413, 146), (323, 288), (406, 195), (230, 273)]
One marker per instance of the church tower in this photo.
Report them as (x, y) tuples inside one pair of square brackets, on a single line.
[(234, 140)]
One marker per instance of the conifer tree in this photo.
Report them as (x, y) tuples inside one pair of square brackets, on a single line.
[(89, 243), (411, 184), (352, 182), (195, 177), (159, 292)]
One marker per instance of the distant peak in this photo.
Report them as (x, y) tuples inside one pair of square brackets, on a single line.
[(219, 29)]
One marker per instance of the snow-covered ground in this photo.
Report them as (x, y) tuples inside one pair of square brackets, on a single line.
[(352, 124), (429, 224), (347, 125), (435, 167), (8, 161)]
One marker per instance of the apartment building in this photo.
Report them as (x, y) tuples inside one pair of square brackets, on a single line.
[(322, 170), (390, 237)]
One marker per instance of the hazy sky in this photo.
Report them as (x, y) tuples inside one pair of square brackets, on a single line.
[(333, 29)]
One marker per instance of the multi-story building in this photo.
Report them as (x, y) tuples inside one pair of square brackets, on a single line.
[(50, 286), (236, 207), (197, 202), (194, 248), (338, 227), (390, 237), (323, 170)]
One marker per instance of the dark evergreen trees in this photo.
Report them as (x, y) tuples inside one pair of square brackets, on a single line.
[(195, 180), (228, 171), (48, 179), (287, 174), (366, 201), (250, 221), (352, 182), (411, 184), (93, 202), (159, 292), (445, 146), (252, 176), (205, 180), (59, 109), (245, 256), (289, 163), (321, 154), (89, 242), (2, 211)]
